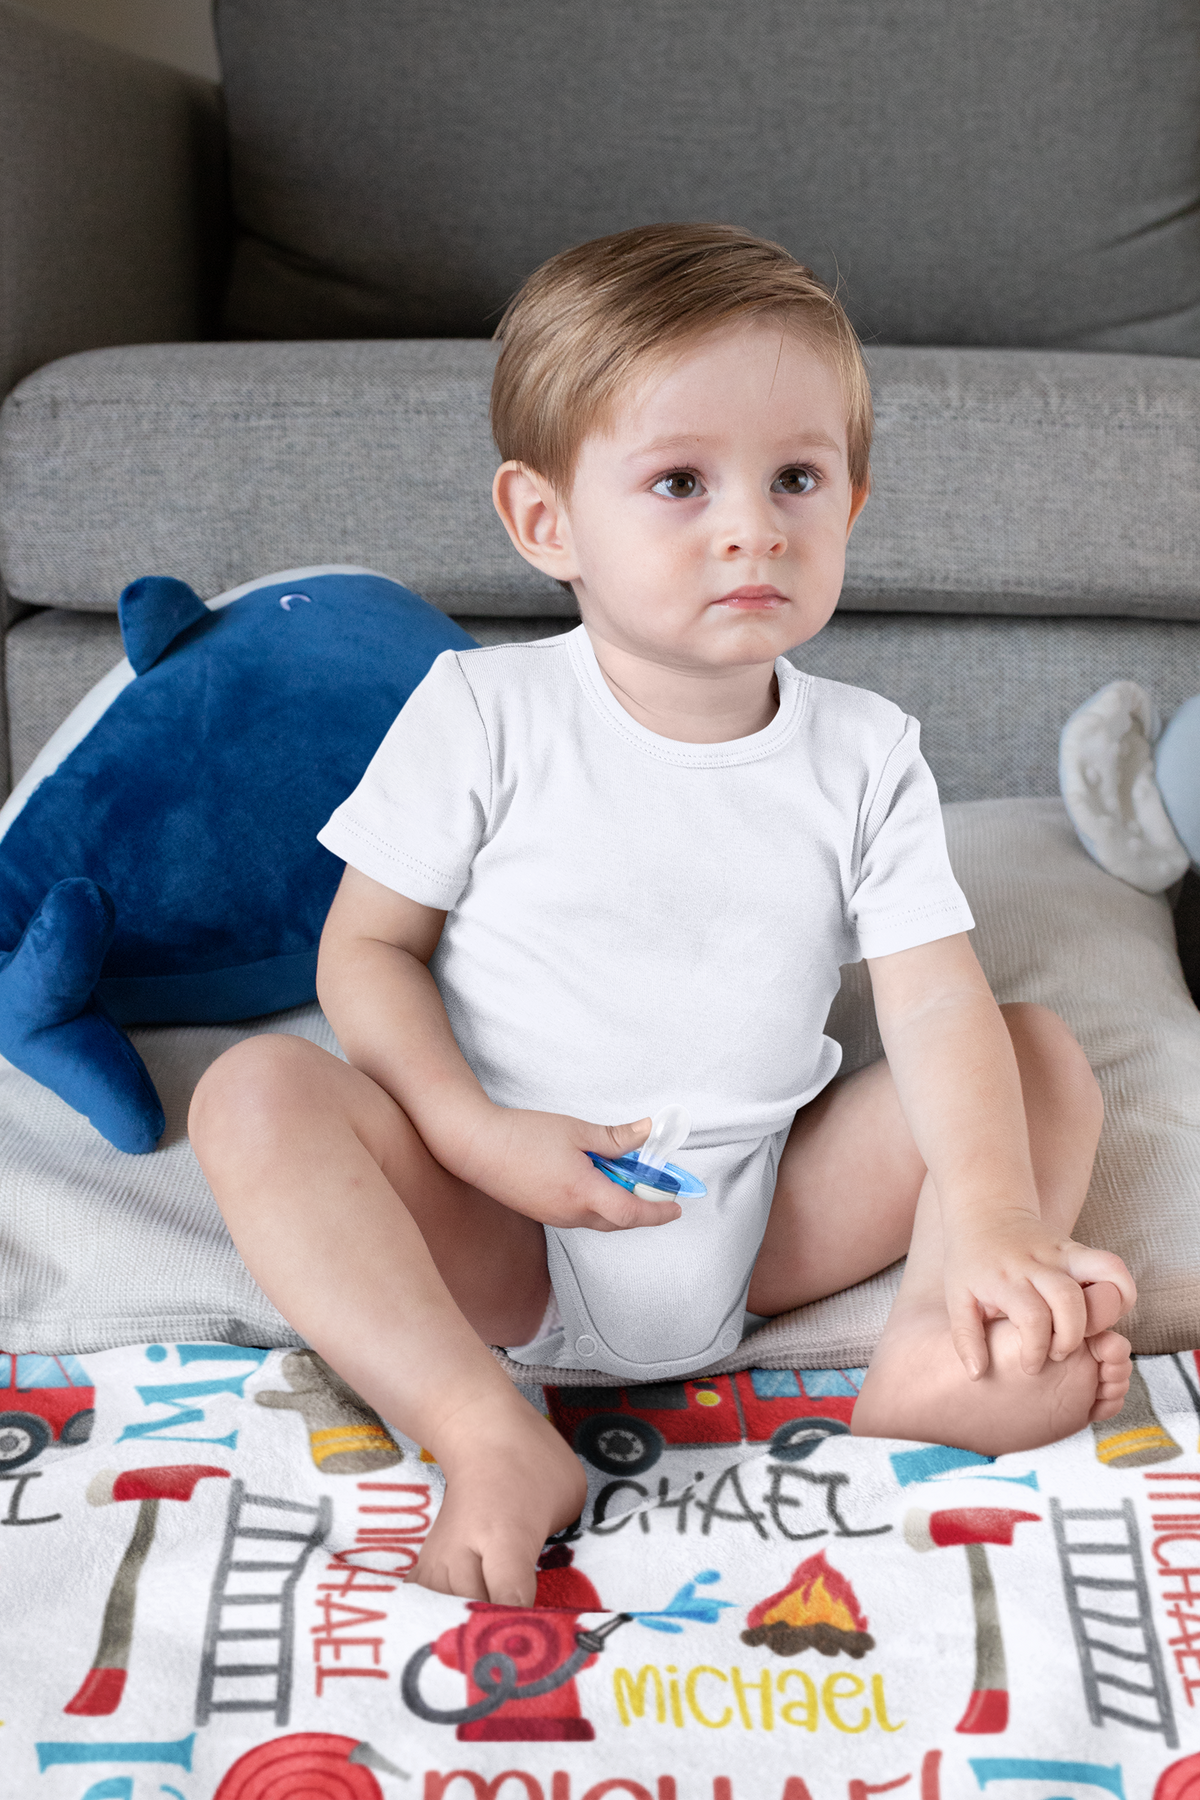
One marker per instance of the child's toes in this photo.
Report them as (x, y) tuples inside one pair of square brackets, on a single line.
[(1114, 1367), (1104, 1306), (1113, 1354)]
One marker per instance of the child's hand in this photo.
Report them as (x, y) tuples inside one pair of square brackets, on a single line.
[(1011, 1267), (536, 1163)]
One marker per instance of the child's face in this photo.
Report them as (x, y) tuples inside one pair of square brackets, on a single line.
[(707, 527)]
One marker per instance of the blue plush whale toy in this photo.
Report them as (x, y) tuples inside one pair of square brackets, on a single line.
[(159, 860)]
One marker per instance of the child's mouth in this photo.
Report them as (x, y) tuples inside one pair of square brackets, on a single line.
[(754, 599)]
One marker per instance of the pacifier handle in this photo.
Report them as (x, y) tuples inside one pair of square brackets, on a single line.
[(668, 1131)]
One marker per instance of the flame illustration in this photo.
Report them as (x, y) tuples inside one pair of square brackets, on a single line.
[(817, 1609), (816, 1595)]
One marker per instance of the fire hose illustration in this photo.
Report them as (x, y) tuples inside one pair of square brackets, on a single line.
[(508, 1655)]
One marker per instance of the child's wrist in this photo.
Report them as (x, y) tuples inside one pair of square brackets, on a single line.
[(967, 1210), (458, 1131)]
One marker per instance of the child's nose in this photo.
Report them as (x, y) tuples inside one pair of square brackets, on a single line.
[(753, 538), (751, 527)]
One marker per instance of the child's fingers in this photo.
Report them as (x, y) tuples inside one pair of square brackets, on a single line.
[(1087, 1265), (1068, 1312), (1034, 1321), (967, 1335), (615, 1140), (622, 1210), (507, 1579), (460, 1574)]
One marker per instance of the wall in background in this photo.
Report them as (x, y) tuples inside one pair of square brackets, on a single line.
[(178, 32)]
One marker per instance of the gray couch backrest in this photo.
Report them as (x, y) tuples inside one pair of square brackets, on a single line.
[(974, 172), (1034, 482)]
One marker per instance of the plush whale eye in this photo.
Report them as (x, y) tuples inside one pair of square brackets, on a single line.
[(794, 481), (680, 484)]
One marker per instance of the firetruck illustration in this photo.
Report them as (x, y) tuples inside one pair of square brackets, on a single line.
[(624, 1431), (43, 1400)]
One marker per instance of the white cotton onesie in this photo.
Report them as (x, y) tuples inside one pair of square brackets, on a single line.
[(633, 921)]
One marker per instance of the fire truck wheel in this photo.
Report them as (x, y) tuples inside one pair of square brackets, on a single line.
[(618, 1444), (800, 1437), (78, 1428), (22, 1437)]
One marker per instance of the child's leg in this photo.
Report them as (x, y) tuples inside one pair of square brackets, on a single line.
[(397, 1273), (853, 1196)]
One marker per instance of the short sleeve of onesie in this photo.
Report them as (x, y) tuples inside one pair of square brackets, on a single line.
[(906, 893), (416, 819)]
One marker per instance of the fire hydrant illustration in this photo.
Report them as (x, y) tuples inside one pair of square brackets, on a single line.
[(538, 1640), (104, 1684), (972, 1527), (520, 1663)]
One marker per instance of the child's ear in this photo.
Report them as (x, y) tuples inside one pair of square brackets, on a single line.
[(858, 499), (535, 519)]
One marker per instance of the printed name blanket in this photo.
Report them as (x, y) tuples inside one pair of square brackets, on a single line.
[(204, 1553)]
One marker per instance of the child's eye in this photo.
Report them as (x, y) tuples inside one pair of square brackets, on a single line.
[(794, 481), (680, 484)]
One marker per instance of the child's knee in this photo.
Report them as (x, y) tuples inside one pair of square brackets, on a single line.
[(1049, 1054), (252, 1087)]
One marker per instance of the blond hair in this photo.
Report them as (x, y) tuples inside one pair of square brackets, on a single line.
[(591, 318)]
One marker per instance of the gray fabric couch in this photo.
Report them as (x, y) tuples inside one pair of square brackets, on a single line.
[(247, 331)]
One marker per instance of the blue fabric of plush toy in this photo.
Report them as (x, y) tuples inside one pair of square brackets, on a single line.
[(159, 861)]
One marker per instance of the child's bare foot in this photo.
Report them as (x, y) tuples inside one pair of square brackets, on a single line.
[(511, 1482), (916, 1386)]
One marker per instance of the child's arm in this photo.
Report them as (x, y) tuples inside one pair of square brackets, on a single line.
[(387, 1013), (956, 1076)]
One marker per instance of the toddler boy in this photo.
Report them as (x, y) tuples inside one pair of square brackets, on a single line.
[(621, 867)]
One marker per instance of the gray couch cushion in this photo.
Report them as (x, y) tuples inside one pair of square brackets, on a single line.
[(1005, 172), (991, 694), (1005, 481)]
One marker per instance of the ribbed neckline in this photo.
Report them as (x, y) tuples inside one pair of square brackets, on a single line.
[(793, 688)]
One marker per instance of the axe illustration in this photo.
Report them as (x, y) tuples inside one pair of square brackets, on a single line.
[(973, 1527), (104, 1683)]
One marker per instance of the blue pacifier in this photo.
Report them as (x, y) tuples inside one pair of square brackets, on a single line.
[(646, 1172)]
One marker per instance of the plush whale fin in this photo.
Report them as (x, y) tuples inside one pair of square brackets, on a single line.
[(1107, 776), (52, 1028), (152, 612)]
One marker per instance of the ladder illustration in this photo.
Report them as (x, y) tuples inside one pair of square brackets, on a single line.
[(253, 1601), (1108, 1599)]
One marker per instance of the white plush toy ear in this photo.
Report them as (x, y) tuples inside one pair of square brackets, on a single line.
[(1106, 772)]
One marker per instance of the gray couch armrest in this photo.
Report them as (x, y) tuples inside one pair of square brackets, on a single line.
[(112, 197)]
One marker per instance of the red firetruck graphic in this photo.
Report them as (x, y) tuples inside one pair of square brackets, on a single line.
[(43, 1399), (625, 1430)]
